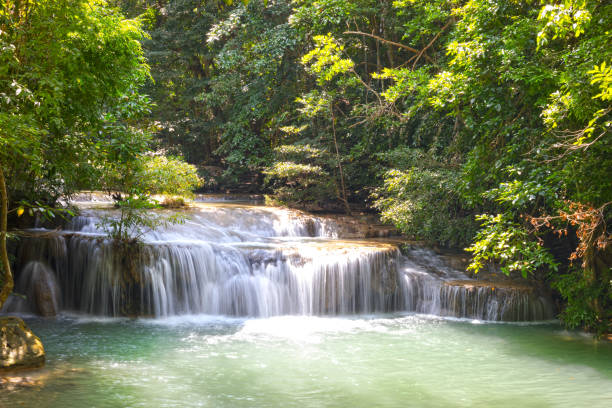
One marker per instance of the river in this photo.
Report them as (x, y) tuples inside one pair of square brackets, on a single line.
[(253, 306)]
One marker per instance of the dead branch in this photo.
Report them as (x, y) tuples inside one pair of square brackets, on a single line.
[(590, 224)]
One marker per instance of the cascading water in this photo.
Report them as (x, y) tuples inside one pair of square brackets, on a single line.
[(39, 288), (255, 261), (430, 286)]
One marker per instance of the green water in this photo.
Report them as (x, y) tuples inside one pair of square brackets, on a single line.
[(375, 361)]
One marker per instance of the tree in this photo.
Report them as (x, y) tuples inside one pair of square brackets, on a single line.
[(133, 185), (62, 87), (437, 111)]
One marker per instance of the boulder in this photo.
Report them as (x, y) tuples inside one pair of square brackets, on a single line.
[(42, 292), (46, 297), (19, 347)]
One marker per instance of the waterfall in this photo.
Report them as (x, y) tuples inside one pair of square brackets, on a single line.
[(253, 261), (37, 291), (222, 279), (430, 286)]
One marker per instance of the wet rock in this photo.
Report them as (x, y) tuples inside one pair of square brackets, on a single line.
[(20, 348), (359, 226), (456, 261), (311, 227), (42, 292), (500, 285), (46, 299)]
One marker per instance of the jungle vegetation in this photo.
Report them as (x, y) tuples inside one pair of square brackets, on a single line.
[(477, 124), (72, 117)]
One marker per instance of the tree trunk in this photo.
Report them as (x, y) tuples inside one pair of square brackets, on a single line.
[(347, 208), (6, 277), (385, 34)]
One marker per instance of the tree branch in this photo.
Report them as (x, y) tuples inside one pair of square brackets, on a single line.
[(431, 42), (406, 47)]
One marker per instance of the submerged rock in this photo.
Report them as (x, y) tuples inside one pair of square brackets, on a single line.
[(20, 348)]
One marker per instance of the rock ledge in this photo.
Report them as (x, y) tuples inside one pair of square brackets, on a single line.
[(19, 347)]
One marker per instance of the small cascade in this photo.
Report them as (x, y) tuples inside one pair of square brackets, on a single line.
[(472, 299), (37, 291), (251, 261), (164, 280), (494, 301), (431, 286), (224, 223)]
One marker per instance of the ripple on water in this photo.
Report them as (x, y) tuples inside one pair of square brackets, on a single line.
[(303, 361)]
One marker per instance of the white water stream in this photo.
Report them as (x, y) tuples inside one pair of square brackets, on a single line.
[(244, 260)]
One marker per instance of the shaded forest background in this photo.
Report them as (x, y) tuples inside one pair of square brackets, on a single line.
[(481, 124)]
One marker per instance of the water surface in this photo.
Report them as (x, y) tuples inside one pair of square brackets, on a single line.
[(306, 361)]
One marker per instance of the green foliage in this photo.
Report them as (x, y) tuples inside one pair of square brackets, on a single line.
[(325, 60), (602, 75), (294, 171), (569, 18), (471, 107), (136, 218), (224, 71), (422, 200), (423, 204), (71, 114), (506, 242), (306, 184), (405, 82), (167, 175), (134, 183), (579, 292), (63, 88), (41, 211)]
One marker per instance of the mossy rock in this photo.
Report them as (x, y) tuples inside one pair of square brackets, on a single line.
[(20, 348)]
